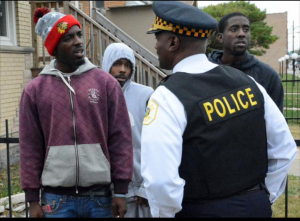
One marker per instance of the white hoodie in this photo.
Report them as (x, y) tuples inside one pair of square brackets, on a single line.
[(136, 96)]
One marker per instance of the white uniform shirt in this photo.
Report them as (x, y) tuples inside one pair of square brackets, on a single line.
[(162, 144)]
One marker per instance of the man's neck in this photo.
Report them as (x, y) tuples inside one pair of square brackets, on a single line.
[(229, 59), (64, 68), (185, 55)]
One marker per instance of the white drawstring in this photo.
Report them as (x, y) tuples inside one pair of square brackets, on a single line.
[(64, 80)]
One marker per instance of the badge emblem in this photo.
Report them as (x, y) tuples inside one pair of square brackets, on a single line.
[(94, 95), (62, 27), (151, 111)]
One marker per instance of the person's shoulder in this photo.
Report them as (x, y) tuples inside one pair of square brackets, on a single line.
[(255, 64), (105, 77), (223, 67), (35, 83), (266, 68), (141, 87)]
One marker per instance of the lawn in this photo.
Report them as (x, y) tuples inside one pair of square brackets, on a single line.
[(292, 100), (295, 130), (290, 87), (15, 181), (292, 114), (278, 207), (293, 200)]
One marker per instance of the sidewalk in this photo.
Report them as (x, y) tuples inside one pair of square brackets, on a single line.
[(297, 72)]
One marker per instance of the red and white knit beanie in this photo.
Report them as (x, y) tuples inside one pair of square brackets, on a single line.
[(52, 26)]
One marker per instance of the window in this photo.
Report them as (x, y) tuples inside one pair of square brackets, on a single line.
[(3, 30), (7, 23), (99, 4)]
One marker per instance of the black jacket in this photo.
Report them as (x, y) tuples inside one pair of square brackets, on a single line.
[(261, 72)]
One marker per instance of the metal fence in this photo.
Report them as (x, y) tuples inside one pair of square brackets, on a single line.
[(7, 140), (291, 83)]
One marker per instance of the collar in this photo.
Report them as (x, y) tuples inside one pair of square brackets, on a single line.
[(195, 64)]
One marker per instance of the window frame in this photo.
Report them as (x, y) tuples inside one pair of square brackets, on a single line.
[(11, 38)]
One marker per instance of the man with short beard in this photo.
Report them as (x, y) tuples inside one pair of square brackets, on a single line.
[(214, 144), (75, 134), (234, 33), (119, 61)]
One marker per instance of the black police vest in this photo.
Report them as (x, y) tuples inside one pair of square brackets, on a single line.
[(224, 143)]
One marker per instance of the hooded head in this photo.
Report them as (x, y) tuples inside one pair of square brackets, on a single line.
[(119, 61)]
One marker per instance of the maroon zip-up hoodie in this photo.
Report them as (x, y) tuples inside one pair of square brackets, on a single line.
[(74, 140)]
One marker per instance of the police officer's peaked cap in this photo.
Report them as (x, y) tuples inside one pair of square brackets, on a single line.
[(182, 19)]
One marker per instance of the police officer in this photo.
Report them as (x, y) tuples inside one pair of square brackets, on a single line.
[(213, 141)]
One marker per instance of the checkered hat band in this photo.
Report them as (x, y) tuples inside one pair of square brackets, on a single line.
[(192, 32)]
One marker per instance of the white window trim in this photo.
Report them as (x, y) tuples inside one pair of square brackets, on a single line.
[(11, 39), (77, 4), (91, 8)]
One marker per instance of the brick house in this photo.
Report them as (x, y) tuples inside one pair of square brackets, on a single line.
[(15, 60), (21, 52), (280, 48)]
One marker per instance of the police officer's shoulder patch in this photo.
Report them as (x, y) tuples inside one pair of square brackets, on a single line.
[(151, 111)]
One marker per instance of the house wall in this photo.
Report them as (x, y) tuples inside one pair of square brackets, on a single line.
[(110, 4), (15, 73), (280, 48), (135, 21), (15, 66), (86, 7)]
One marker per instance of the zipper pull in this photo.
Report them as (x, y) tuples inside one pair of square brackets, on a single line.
[(76, 189), (69, 79)]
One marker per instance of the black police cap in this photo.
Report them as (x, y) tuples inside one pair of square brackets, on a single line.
[(182, 19)]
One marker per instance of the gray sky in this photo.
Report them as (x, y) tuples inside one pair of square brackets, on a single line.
[(292, 7)]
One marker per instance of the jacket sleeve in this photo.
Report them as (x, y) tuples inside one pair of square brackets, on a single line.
[(282, 148), (161, 154), (32, 151), (119, 140), (275, 89)]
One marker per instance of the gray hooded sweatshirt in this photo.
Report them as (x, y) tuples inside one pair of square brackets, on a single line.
[(73, 142), (136, 96)]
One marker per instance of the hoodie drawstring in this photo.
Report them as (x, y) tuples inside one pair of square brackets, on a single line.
[(64, 80)]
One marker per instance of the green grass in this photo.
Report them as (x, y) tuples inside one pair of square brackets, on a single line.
[(15, 181), (295, 130), (278, 207), (292, 114), (289, 87), (293, 200), (292, 100)]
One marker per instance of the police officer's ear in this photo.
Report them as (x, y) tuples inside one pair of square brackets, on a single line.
[(175, 43), (220, 37)]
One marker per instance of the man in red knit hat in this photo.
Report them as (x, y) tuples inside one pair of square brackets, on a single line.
[(75, 132)]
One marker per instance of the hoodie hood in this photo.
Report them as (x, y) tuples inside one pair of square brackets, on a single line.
[(247, 63), (51, 70), (114, 52)]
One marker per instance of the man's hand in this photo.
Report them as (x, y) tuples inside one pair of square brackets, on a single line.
[(36, 210), (119, 207), (142, 201)]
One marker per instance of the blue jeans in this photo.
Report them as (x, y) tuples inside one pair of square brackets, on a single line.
[(63, 206)]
